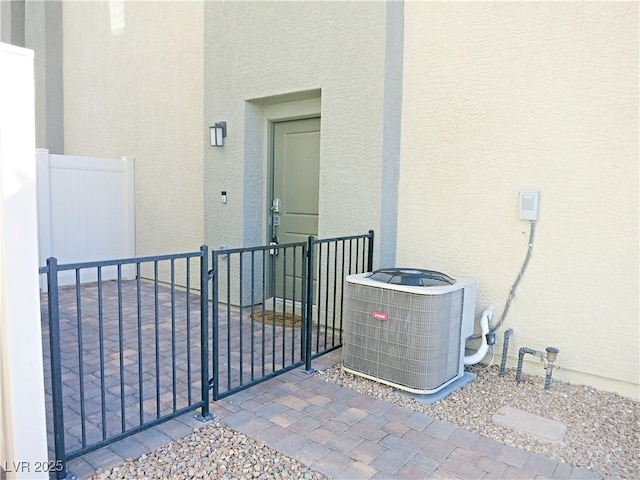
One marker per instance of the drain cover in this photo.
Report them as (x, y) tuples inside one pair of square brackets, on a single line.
[(540, 427)]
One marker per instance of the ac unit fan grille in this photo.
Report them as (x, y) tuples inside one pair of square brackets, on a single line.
[(419, 344)]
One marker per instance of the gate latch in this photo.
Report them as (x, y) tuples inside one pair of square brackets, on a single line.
[(273, 251)]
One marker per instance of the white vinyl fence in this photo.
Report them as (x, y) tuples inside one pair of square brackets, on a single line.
[(86, 212)]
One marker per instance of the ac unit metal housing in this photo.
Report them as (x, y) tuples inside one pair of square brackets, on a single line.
[(407, 327)]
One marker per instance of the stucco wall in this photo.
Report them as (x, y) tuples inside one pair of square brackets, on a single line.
[(324, 58), (43, 33), (133, 85), (501, 97)]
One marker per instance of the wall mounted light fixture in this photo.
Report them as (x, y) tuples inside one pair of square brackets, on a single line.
[(217, 132)]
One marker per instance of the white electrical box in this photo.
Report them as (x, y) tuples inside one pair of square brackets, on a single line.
[(528, 206)]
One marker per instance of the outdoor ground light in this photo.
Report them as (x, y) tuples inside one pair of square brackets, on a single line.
[(218, 131)]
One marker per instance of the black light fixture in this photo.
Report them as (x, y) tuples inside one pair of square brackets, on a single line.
[(217, 132)]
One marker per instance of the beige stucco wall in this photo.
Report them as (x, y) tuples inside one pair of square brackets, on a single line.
[(279, 60), (136, 89), (486, 99), (501, 97)]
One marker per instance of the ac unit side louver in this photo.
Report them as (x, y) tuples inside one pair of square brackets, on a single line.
[(407, 328)]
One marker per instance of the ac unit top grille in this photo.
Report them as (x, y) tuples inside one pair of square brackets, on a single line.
[(411, 276), (420, 282)]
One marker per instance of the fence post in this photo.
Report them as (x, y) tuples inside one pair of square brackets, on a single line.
[(56, 367), (214, 321), (309, 295), (205, 416), (370, 253)]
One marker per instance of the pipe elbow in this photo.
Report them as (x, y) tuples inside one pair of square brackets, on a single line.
[(484, 347)]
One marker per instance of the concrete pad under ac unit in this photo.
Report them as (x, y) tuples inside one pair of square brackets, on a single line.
[(540, 427)]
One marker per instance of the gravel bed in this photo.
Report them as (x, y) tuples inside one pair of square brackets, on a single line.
[(212, 452), (603, 428)]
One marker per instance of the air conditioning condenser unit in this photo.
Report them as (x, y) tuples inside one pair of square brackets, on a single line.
[(407, 327)]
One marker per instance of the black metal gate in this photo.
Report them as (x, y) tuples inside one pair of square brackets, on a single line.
[(127, 354), (268, 319)]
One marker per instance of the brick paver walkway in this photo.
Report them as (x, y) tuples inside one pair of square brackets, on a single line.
[(348, 435)]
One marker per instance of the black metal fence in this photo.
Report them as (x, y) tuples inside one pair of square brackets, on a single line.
[(124, 354), (131, 348)]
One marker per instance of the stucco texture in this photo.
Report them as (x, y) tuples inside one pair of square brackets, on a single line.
[(434, 116), (503, 97), (260, 56), (133, 85)]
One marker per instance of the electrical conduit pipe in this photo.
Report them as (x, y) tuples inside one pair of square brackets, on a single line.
[(487, 315)]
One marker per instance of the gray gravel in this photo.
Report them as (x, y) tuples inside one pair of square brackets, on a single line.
[(212, 452), (603, 428), (603, 431)]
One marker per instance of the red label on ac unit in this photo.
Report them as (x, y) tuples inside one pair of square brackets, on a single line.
[(380, 316)]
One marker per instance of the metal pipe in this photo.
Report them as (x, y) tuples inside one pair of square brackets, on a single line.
[(521, 354), (547, 378), (505, 350), (550, 357)]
